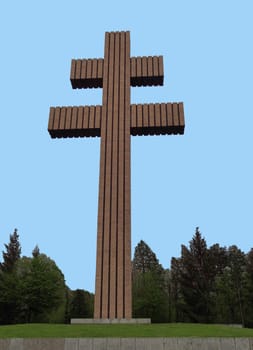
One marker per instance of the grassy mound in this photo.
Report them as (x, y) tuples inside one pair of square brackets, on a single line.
[(122, 331)]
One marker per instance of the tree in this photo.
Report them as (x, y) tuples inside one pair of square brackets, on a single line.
[(43, 289), (225, 297), (9, 297), (177, 300), (9, 284), (149, 294), (31, 289), (36, 251), (82, 304), (12, 254), (230, 288), (195, 278), (145, 259), (233, 290), (237, 263), (218, 259), (248, 291)]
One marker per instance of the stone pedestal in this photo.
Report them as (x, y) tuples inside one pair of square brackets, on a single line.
[(110, 321)]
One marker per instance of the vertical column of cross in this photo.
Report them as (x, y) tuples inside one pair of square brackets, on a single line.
[(113, 274), (125, 151)]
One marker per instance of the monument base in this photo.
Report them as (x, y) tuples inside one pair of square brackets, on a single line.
[(110, 321)]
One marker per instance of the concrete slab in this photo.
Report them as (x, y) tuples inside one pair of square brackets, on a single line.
[(149, 344), (127, 344), (242, 344), (155, 343), (99, 344), (109, 321), (170, 344), (251, 343), (141, 343), (4, 344), (81, 320), (85, 343), (213, 343), (43, 343), (16, 344), (113, 343), (184, 344), (227, 344), (142, 320), (71, 344), (199, 344)]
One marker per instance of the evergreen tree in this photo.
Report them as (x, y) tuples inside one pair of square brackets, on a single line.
[(31, 289), (9, 284), (10, 291), (149, 295), (36, 251), (177, 300), (195, 280), (145, 259), (237, 263), (231, 288), (248, 291), (12, 254)]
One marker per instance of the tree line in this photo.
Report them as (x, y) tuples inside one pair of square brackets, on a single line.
[(205, 284), (33, 289)]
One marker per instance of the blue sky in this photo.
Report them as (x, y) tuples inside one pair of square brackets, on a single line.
[(49, 188)]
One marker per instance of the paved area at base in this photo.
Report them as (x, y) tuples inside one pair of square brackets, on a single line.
[(128, 344), (110, 321)]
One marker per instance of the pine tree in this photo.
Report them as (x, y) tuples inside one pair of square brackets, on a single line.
[(177, 300), (12, 254), (195, 279), (145, 259), (237, 264), (36, 251), (9, 283), (149, 295), (248, 305)]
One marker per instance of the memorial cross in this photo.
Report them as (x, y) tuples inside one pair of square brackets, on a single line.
[(114, 122)]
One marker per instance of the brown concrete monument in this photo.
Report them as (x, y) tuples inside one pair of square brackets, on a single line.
[(114, 122)]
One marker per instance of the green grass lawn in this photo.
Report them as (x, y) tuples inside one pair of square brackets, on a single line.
[(123, 331)]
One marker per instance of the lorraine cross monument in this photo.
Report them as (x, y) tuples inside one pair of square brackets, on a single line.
[(115, 121)]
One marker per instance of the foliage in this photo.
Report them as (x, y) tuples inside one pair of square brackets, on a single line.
[(82, 304), (149, 294), (196, 278), (212, 284), (12, 254), (31, 289), (43, 287), (145, 260), (36, 251), (204, 285)]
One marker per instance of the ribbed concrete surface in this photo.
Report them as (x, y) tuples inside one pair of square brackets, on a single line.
[(157, 119), (145, 119), (115, 121), (113, 297), (88, 73), (128, 344)]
